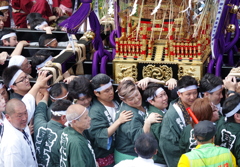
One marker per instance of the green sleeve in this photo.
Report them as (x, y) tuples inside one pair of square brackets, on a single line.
[(133, 128), (40, 116), (77, 154), (184, 140), (169, 139), (99, 128)]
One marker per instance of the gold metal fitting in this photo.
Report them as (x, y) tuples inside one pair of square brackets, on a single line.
[(234, 9), (231, 28), (89, 35)]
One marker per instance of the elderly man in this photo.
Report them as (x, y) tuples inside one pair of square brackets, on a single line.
[(75, 148), (16, 147)]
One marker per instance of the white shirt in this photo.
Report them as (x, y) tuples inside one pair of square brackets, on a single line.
[(14, 149), (137, 162), (112, 111)]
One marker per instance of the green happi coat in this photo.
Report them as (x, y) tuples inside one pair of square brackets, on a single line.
[(172, 127), (128, 132), (101, 121), (47, 137), (228, 136), (187, 141), (76, 150), (156, 130)]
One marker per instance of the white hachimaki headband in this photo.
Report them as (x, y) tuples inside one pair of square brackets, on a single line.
[(187, 88), (155, 94), (58, 113), (215, 89), (1, 85), (16, 60), (59, 98), (43, 63), (68, 122), (81, 95), (16, 75), (234, 111), (40, 25), (54, 39), (104, 87), (4, 7), (12, 34)]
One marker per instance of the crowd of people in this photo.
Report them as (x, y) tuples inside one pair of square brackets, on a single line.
[(88, 122)]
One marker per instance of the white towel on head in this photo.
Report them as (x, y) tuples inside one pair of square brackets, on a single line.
[(16, 61)]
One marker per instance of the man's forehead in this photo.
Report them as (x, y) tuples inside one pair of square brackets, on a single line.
[(21, 75)]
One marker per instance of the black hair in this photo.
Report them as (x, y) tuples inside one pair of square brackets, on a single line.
[(229, 104), (99, 79), (40, 56), (31, 16), (56, 89), (186, 81), (209, 81), (4, 32), (146, 145), (59, 20), (1, 14), (36, 22), (45, 38), (150, 90), (60, 105), (8, 74), (79, 85)]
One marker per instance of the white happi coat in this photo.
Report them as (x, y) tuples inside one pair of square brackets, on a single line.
[(14, 149)]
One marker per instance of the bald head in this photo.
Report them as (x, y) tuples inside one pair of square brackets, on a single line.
[(74, 111), (12, 105)]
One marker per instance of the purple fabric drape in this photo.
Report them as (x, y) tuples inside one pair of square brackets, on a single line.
[(72, 25)]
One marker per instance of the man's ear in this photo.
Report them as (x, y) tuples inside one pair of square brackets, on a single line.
[(179, 94), (237, 117), (63, 117), (96, 93), (151, 102), (13, 87), (5, 42), (7, 117), (206, 94)]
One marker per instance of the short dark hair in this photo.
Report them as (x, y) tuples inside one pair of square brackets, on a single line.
[(8, 74), (4, 32), (60, 105), (36, 22), (146, 145), (44, 38), (150, 90), (209, 81), (31, 16), (40, 56), (229, 104), (56, 89), (99, 79), (79, 85), (186, 81)]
